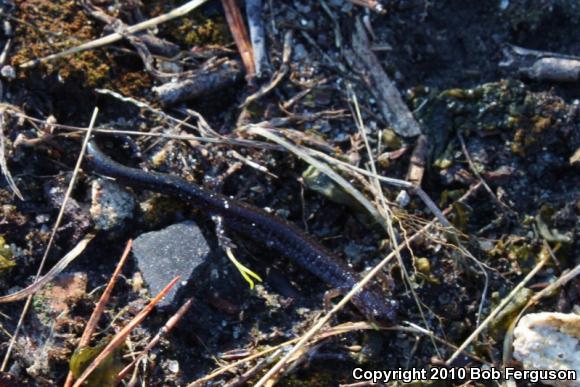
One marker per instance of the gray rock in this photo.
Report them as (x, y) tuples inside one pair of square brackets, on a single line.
[(179, 249), (111, 205)]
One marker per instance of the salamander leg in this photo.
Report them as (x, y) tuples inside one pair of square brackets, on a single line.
[(329, 295)]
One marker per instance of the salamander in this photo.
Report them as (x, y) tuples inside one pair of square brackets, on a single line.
[(256, 224)]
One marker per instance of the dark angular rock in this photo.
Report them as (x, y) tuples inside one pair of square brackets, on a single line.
[(179, 249)]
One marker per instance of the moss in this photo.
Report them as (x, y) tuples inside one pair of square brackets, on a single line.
[(131, 83), (88, 66), (40, 304), (505, 107), (197, 30), (48, 27)]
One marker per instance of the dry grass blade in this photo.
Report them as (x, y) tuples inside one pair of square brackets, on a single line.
[(498, 309), (120, 337), (52, 235), (56, 270), (322, 167), (171, 323), (3, 163), (312, 153), (100, 307), (114, 37)]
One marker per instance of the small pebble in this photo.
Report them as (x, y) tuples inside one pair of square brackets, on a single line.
[(403, 199)]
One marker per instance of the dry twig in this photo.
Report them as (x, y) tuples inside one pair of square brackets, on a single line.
[(390, 102), (500, 204), (120, 337), (100, 307), (169, 325), (257, 36), (278, 76), (240, 34)]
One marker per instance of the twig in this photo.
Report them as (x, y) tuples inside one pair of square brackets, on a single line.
[(278, 76), (168, 327), (122, 335), (240, 34), (201, 83), (243, 378), (155, 44), (219, 140), (51, 239), (541, 65), (417, 164), (114, 37), (257, 36), (100, 308), (390, 102), (332, 331)]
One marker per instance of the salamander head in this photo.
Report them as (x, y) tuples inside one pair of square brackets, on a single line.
[(376, 307)]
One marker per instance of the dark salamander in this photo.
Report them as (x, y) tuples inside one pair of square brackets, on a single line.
[(256, 224)]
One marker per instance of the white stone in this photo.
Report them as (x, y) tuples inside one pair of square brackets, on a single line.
[(549, 341), (403, 199)]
